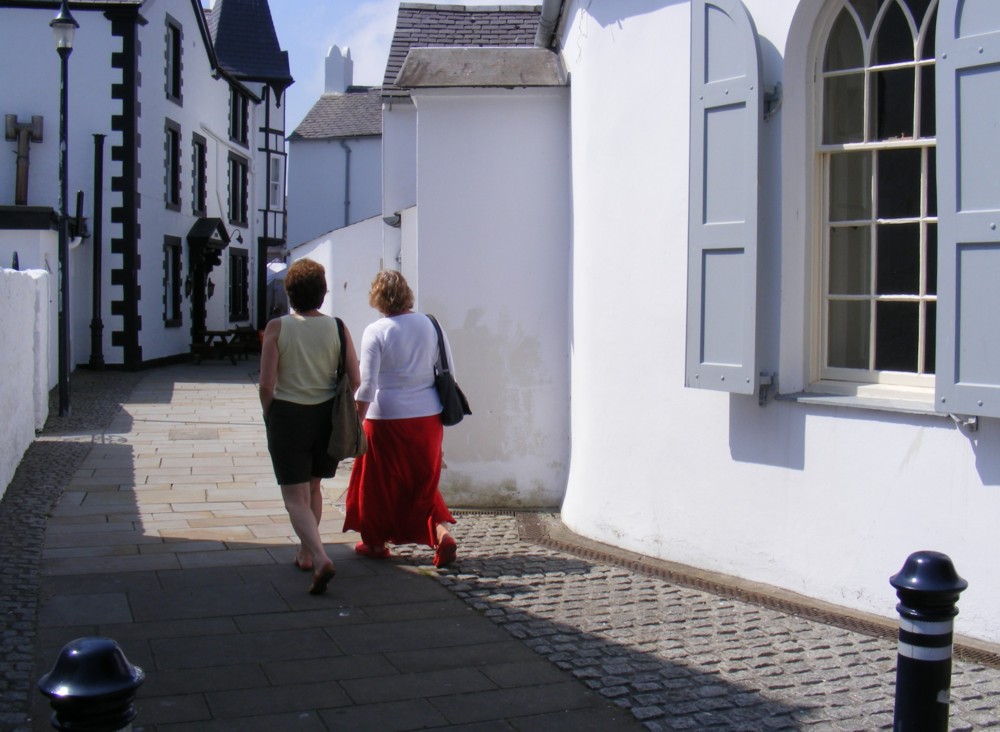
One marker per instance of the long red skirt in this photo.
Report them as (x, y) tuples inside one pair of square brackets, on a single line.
[(393, 492)]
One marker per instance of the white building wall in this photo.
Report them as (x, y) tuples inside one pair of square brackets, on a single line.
[(204, 110), (317, 183), (399, 168), (492, 264), (826, 501), (27, 44)]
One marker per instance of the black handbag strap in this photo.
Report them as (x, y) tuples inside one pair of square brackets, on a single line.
[(342, 364), (441, 351)]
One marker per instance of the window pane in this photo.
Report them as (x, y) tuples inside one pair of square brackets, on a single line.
[(850, 186), (930, 337), (898, 259), (928, 125), (843, 47), (897, 328), (932, 259), (843, 109), (847, 334), (867, 10), (932, 182), (893, 39), (899, 183), (892, 104), (850, 260)]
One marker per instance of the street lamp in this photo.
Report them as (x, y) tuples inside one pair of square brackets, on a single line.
[(63, 29)]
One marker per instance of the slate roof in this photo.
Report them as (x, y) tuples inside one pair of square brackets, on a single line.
[(355, 113), (245, 42), (425, 25)]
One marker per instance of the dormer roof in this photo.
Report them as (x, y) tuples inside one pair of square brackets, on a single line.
[(426, 25)]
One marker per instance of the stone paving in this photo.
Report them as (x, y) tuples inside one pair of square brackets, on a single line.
[(149, 515)]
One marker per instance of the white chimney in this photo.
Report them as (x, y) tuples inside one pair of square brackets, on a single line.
[(339, 70)]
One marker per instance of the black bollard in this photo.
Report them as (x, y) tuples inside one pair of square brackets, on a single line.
[(928, 588), (92, 686)]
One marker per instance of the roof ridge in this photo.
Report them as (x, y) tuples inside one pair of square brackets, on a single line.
[(499, 7)]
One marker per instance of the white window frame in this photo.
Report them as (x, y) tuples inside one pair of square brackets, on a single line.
[(803, 264), (276, 191), (843, 380)]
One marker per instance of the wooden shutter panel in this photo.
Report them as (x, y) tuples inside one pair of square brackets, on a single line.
[(726, 108), (968, 150)]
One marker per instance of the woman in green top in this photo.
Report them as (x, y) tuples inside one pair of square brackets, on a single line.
[(298, 375)]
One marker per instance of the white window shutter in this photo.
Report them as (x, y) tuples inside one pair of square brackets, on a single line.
[(726, 109), (968, 149)]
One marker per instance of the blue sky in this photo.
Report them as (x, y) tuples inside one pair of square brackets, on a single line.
[(307, 29)]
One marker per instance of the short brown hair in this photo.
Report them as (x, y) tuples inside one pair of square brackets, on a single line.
[(305, 283), (390, 294)]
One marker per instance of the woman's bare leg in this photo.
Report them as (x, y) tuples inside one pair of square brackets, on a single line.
[(298, 504)]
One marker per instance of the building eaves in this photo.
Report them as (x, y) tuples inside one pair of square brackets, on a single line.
[(425, 25), (355, 113)]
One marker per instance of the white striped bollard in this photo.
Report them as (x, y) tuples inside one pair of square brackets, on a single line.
[(928, 588)]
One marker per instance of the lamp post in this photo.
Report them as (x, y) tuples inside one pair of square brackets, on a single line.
[(63, 29)]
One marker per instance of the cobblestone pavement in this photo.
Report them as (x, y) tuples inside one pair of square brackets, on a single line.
[(686, 659), (678, 652)]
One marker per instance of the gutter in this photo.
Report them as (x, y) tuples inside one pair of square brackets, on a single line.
[(551, 10)]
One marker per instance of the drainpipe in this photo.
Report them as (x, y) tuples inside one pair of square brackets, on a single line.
[(347, 182), (96, 323), (551, 10)]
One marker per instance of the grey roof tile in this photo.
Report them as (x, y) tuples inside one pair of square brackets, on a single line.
[(426, 25), (355, 113), (245, 41)]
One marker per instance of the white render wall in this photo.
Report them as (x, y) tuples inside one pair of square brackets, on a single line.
[(317, 181), (493, 264), (825, 501), (351, 256), (205, 111), (27, 43)]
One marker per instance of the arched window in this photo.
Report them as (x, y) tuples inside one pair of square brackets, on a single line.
[(876, 153)]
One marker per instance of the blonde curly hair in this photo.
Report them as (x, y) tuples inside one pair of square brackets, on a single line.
[(390, 294)]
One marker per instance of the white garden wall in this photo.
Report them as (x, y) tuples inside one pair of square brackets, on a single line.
[(24, 394)]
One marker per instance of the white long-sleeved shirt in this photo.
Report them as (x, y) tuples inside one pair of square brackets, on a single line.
[(398, 355)]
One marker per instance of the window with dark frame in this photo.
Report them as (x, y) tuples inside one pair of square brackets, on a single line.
[(239, 116), (172, 166), (199, 184), (174, 62), (239, 284), (239, 181), (172, 285)]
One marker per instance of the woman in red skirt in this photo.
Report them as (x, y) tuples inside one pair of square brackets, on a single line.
[(393, 493)]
